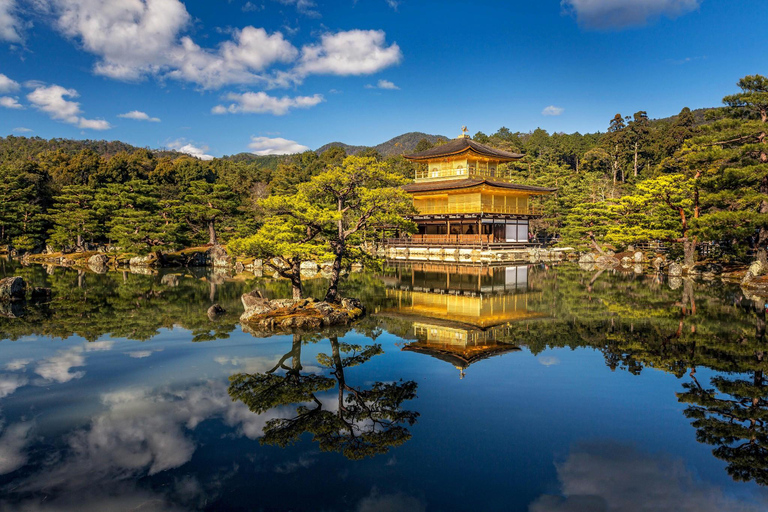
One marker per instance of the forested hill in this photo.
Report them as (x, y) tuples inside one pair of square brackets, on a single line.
[(12, 147), (404, 143)]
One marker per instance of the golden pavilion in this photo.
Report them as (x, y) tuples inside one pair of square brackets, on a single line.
[(460, 314), (465, 198)]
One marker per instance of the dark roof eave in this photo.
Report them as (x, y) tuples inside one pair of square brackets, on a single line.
[(461, 145), (470, 183)]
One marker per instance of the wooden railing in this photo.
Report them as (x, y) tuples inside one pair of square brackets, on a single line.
[(461, 208), (450, 240)]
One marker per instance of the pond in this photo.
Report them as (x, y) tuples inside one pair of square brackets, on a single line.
[(532, 388)]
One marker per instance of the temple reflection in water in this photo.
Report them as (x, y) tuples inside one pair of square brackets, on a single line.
[(460, 314)]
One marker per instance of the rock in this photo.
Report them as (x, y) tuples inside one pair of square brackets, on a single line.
[(356, 267), (587, 258), (674, 270), (291, 315), (198, 259), (756, 269), (239, 267), (218, 256), (637, 269), (150, 260), (171, 280), (658, 263), (98, 259), (252, 299), (626, 262), (142, 270), (98, 263), (675, 282), (606, 261), (14, 309), (40, 293), (215, 311), (310, 266), (638, 257), (12, 288)]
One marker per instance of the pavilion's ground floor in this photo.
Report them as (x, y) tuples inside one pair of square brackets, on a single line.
[(467, 230)]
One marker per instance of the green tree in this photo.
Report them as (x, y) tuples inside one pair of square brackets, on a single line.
[(205, 204), (290, 235), (135, 219), (359, 196), (74, 217), (731, 157), (367, 422)]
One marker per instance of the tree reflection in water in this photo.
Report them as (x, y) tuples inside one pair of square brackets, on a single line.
[(366, 421)]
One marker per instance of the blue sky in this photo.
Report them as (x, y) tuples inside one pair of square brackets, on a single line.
[(222, 77)]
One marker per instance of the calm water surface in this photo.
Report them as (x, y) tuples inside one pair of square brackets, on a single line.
[(523, 388)]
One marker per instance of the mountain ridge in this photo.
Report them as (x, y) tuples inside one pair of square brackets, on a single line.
[(404, 143)]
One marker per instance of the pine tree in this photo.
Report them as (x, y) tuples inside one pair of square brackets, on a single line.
[(205, 204), (74, 217), (134, 220), (731, 158)]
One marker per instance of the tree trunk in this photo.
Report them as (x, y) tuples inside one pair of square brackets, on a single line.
[(211, 232), (79, 241), (296, 351), (635, 159), (689, 252), (298, 292), (333, 286)]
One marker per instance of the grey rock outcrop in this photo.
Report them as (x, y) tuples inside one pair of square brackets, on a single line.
[(150, 260), (12, 288), (296, 315), (98, 263), (215, 311), (675, 270), (218, 256)]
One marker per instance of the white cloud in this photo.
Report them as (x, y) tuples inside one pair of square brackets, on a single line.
[(377, 502), (552, 111), (251, 7), (138, 115), (10, 24), (22, 129), (393, 4), (140, 354), (51, 100), (10, 102), (13, 444), (613, 477), (190, 149), (144, 37), (548, 360), (262, 103), (355, 52), (616, 14), (383, 84), (144, 432), (235, 62), (94, 124), (6, 84), (275, 146), (9, 383), (57, 368), (140, 38), (18, 364)]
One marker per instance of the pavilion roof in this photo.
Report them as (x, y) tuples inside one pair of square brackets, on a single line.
[(430, 186), (461, 145), (460, 358)]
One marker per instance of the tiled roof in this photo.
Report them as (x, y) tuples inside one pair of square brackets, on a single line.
[(460, 145)]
